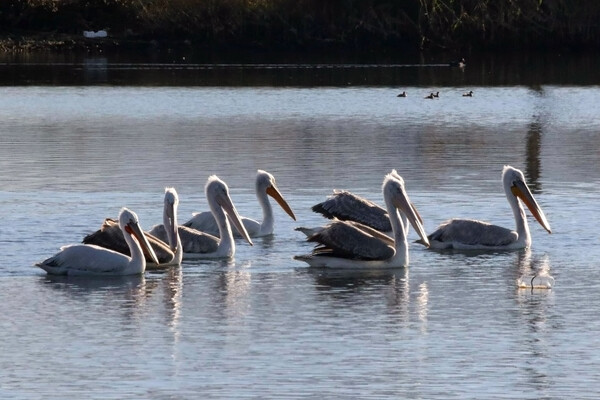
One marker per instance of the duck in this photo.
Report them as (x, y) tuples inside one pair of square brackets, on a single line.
[(460, 63)]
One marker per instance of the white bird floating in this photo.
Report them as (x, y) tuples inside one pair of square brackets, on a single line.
[(350, 245), (265, 186), (168, 248), (468, 234), (95, 34), (88, 259), (199, 245)]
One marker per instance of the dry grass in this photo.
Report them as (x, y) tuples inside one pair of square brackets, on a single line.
[(351, 23)]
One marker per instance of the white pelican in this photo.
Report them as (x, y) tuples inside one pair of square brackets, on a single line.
[(167, 248), (344, 244), (89, 259), (265, 185), (467, 234), (201, 245)]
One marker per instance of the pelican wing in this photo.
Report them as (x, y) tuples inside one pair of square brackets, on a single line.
[(203, 222), (192, 240), (473, 232), (110, 236), (345, 205), (345, 240), (374, 232)]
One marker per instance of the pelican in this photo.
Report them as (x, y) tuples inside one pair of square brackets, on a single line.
[(346, 244), (89, 259), (198, 244), (347, 206), (265, 185), (469, 234), (167, 248)]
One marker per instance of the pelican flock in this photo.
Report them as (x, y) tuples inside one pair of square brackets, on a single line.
[(352, 245), (265, 186), (360, 235), (89, 259), (469, 234)]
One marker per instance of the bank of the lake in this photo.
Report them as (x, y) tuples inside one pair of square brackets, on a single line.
[(458, 26)]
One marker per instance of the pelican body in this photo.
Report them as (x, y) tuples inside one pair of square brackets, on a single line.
[(87, 259), (469, 234), (201, 245), (351, 245), (167, 248), (265, 186)]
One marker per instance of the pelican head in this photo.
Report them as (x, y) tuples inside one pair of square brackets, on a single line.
[(170, 217), (129, 223), (217, 189), (265, 182), (514, 182), (393, 190)]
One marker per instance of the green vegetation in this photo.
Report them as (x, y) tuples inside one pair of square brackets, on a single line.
[(407, 24)]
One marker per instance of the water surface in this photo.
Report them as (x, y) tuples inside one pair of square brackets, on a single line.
[(451, 325)]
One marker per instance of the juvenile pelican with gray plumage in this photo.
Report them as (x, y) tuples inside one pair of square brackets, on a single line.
[(469, 234)]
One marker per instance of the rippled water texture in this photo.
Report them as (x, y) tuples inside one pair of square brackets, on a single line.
[(450, 326)]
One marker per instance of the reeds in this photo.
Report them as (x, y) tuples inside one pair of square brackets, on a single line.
[(347, 23)]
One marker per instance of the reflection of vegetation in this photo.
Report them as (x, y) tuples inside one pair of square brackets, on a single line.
[(349, 23)]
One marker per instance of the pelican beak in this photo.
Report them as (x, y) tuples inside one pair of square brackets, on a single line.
[(235, 218), (413, 216), (521, 191), (133, 228), (274, 193), (417, 213)]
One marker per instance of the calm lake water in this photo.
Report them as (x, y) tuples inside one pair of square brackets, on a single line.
[(81, 138)]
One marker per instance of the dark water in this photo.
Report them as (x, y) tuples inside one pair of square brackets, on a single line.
[(298, 69), (77, 143)]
